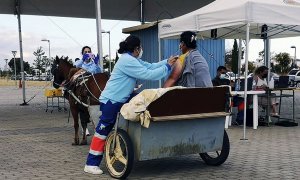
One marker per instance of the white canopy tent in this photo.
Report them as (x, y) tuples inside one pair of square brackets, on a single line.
[(242, 19), (230, 17)]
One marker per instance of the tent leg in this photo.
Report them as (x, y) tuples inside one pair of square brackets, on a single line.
[(246, 80), (99, 31), (17, 11)]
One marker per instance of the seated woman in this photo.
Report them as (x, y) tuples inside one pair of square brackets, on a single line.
[(191, 70), (260, 83)]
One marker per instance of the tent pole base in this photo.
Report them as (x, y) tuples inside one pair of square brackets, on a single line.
[(24, 104)]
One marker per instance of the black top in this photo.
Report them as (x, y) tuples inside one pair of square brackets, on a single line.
[(218, 82)]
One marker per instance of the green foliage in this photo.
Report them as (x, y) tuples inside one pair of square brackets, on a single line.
[(228, 58), (251, 67), (39, 62), (235, 56), (283, 63), (18, 65)]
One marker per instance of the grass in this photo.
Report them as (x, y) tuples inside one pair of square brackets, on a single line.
[(8, 82)]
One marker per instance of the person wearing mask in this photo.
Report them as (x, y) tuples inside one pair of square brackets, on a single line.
[(89, 61), (191, 70), (118, 90), (260, 83), (220, 77)]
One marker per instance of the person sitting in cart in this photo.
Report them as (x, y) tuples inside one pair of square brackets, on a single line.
[(117, 91), (191, 70)]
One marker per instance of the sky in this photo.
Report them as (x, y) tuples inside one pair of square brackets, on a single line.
[(68, 35)]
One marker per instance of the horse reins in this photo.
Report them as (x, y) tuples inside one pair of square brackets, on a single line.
[(89, 89)]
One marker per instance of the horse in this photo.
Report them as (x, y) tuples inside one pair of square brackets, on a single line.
[(80, 96)]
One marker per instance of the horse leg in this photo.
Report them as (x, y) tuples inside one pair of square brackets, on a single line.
[(74, 111), (84, 119)]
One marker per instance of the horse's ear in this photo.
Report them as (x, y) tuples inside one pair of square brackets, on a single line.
[(66, 58), (56, 61)]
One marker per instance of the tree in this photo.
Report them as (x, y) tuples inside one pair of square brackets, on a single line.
[(228, 58), (18, 65), (39, 62), (251, 67), (235, 58), (283, 63)]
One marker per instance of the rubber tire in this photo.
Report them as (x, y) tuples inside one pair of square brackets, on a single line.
[(130, 153), (223, 155)]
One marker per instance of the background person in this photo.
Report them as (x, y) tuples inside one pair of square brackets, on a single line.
[(220, 78), (260, 83), (118, 90), (192, 69)]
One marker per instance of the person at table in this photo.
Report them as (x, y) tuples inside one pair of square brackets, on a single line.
[(220, 78), (118, 90), (191, 70), (260, 83)]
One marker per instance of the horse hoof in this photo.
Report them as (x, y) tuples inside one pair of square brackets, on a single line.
[(83, 142), (76, 142)]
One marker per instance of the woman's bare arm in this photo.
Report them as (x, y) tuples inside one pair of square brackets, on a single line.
[(174, 76)]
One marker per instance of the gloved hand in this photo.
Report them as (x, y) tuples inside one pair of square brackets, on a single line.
[(85, 56), (96, 60), (88, 56)]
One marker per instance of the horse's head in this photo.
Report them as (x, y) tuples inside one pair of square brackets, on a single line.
[(60, 69)]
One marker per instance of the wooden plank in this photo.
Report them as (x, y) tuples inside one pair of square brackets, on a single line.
[(190, 116)]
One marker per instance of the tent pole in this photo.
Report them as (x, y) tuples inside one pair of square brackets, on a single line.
[(266, 52), (17, 11), (142, 18), (246, 80), (268, 78), (99, 31)]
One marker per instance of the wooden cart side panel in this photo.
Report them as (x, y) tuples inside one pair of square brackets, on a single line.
[(174, 138), (191, 101)]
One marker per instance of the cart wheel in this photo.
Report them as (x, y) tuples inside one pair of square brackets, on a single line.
[(119, 159), (219, 157)]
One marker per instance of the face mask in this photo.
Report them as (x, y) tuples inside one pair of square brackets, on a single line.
[(140, 54), (222, 76), (264, 76)]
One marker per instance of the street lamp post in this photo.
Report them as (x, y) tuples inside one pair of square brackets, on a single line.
[(108, 32), (294, 63), (48, 56), (5, 67), (15, 67)]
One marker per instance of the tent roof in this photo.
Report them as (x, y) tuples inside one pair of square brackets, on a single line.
[(110, 9), (230, 16)]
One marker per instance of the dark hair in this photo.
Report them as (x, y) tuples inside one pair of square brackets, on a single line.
[(130, 43), (220, 68), (260, 70), (84, 48), (189, 39)]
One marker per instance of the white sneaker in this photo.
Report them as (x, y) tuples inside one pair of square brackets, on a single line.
[(87, 133), (92, 169)]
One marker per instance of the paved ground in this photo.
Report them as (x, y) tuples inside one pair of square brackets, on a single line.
[(37, 145)]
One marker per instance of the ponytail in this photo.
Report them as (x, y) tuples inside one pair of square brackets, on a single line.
[(123, 47), (130, 43)]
